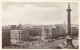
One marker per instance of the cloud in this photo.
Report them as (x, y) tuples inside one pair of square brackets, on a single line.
[(26, 14), (30, 13)]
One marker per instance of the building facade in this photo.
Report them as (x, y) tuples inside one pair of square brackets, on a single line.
[(6, 37), (19, 36), (45, 33)]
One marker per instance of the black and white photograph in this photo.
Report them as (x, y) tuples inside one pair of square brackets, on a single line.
[(40, 25)]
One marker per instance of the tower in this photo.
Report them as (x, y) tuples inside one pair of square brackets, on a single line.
[(69, 20), (68, 37)]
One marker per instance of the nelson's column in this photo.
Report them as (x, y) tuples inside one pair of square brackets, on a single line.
[(69, 37)]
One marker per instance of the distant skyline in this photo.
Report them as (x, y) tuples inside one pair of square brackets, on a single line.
[(38, 13)]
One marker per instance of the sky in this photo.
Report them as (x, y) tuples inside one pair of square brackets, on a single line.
[(38, 13)]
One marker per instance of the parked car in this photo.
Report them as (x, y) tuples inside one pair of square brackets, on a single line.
[(51, 40), (62, 45)]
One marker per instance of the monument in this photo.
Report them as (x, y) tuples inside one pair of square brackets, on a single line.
[(68, 36)]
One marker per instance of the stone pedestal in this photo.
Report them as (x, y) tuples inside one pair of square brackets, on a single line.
[(69, 40)]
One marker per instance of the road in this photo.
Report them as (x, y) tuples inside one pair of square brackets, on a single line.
[(47, 45), (42, 45)]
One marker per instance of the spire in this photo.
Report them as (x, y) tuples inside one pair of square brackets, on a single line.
[(68, 5)]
